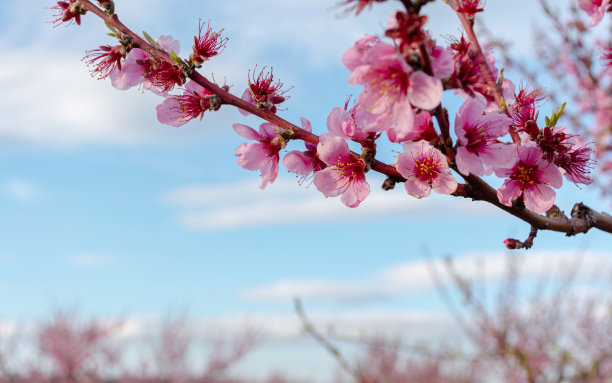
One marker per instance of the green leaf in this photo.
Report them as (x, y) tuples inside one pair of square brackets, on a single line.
[(175, 57), (552, 121), (149, 39), (112, 29)]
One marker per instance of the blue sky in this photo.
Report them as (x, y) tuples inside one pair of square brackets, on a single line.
[(107, 210)]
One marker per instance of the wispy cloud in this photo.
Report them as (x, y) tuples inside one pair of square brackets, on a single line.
[(92, 260), (417, 277), (242, 204), (21, 190)]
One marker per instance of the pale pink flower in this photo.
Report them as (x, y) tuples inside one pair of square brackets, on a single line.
[(178, 110), (306, 162), (531, 177), (477, 134), (356, 123), (262, 155), (391, 86), (424, 168), (594, 8), (139, 64), (422, 129), (344, 174)]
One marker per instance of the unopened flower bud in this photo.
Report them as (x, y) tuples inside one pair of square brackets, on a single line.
[(513, 244)]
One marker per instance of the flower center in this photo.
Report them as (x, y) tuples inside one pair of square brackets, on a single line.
[(426, 169), (526, 175)]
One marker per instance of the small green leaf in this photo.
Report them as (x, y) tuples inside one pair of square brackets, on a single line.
[(149, 39), (552, 121), (111, 34), (175, 57), (112, 29)]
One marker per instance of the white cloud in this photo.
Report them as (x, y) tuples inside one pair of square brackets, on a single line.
[(241, 204), (416, 277), (21, 190)]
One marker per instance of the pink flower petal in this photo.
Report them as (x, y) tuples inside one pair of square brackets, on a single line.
[(328, 182), (247, 132), (417, 188), (252, 156), (168, 112), (355, 193), (445, 183), (539, 199), (424, 91), (297, 162), (508, 192), (468, 162), (332, 149)]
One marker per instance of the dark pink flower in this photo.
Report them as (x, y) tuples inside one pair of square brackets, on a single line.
[(163, 76), (105, 60), (424, 168), (356, 123), (568, 152), (358, 5), (306, 162), (530, 177), (477, 134), (68, 11), (524, 109), (469, 75), (469, 7), (422, 129), (206, 45), (138, 63), (262, 155), (344, 174), (391, 86), (407, 30), (594, 8), (263, 92), (178, 110)]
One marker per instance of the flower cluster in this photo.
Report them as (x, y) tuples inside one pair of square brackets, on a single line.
[(496, 130), (402, 89)]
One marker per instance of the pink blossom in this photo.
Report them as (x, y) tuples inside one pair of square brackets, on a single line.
[(391, 86), (263, 92), (425, 168), (178, 110), (263, 155), (68, 11), (357, 5), (531, 177), (469, 7), (523, 111), (106, 59), (594, 8), (206, 45), (568, 152), (477, 135), (406, 29), (344, 174), (139, 63), (422, 129), (355, 124), (306, 162)]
